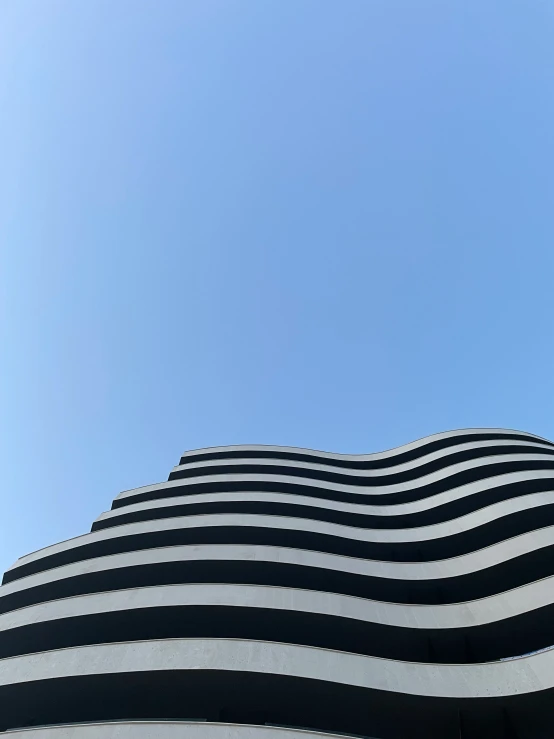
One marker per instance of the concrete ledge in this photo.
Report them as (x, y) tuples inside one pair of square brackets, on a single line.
[(418, 444), (309, 562), (322, 489), (436, 538), (364, 513), (453, 616), (444, 459), (489, 680), (166, 730), (74, 550)]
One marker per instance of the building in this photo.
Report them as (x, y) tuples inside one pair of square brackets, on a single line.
[(279, 593)]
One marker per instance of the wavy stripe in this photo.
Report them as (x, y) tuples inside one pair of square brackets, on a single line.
[(426, 511), (270, 505), (498, 568), (167, 730), (454, 567), (493, 679), (394, 456), (458, 475), (465, 615), (441, 456), (393, 535), (501, 626), (455, 538), (437, 461), (289, 683), (428, 476), (282, 696)]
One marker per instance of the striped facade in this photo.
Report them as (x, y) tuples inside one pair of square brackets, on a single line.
[(281, 593)]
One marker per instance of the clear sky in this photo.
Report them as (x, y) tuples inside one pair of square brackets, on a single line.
[(323, 224)]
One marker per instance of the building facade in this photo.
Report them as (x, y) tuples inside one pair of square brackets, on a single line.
[(281, 593)]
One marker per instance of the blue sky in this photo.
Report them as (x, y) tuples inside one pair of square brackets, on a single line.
[(324, 224)]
